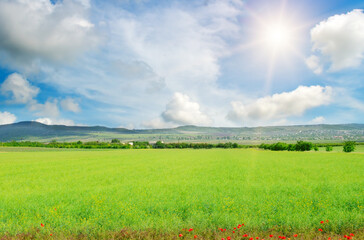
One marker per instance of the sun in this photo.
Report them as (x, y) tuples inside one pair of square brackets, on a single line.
[(277, 35)]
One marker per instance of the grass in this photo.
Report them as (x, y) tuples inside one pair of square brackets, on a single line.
[(99, 193)]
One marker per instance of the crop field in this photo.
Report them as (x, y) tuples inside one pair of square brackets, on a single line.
[(158, 194)]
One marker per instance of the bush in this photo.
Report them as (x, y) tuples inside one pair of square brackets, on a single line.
[(303, 146), (328, 148), (316, 148), (349, 146)]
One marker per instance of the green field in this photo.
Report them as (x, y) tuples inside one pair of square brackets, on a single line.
[(78, 193)]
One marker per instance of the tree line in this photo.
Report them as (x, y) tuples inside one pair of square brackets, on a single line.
[(348, 146)]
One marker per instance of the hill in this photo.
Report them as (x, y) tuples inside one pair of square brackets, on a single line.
[(35, 131)]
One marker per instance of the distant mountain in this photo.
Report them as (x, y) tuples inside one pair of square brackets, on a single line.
[(35, 131)]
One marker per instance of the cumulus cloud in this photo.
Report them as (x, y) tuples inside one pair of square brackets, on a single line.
[(7, 118), (340, 38), (21, 91), (318, 120), (182, 110), (40, 30), (47, 109), (50, 121), (313, 62), (281, 105), (157, 123), (70, 104)]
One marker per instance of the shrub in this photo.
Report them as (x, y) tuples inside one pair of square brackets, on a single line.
[(349, 146), (328, 148)]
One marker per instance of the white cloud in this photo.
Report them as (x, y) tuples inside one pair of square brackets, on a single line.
[(21, 90), (281, 105), (51, 121), (181, 110), (38, 29), (47, 109), (340, 38), (318, 120), (70, 104), (7, 118), (157, 123), (313, 62)]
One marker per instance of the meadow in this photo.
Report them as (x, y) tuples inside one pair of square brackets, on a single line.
[(113, 193)]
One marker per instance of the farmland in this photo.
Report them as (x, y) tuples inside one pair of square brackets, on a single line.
[(93, 192)]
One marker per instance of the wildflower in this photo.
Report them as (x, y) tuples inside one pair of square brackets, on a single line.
[(224, 230), (322, 222), (228, 238), (271, 235), (329, 238), (352, 234), (257, 238), (233, 231), (50, 234), (190, 230), (234, 228), (195, 236), (221, 229), (327, 221), (42, 225), (295, 235), (251, 238), (320, 229), (180, 235)]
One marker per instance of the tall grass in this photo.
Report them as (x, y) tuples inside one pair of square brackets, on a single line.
[(167, 190)]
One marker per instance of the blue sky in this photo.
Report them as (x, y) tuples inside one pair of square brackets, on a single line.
[(158, 64)]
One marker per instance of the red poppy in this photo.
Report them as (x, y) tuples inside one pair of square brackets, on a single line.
[(195, 236), (42, 225), (190, 230), (180, 235), (271, 235), (320, 229), (295, 235), (350, 237), (257, 238), (245, 235), (251, 238), (329, 238), (234, 228), (224, 230), (50, 234), (222, 239), (228, 238), (221, 229), (327, 221), (322, 222), (233, 231), (352, 234)]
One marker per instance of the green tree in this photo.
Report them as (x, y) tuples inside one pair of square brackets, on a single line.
[(349, 146), (115, 140), (328, 148)]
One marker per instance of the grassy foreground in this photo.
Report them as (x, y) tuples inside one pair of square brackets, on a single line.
[(106, 193)]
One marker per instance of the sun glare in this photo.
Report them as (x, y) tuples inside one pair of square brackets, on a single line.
[(277, 35)]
